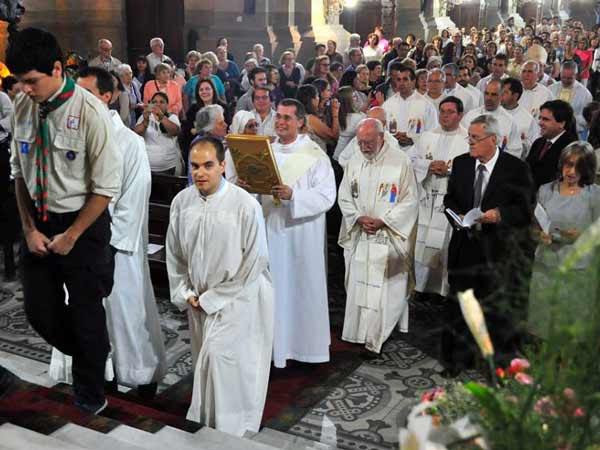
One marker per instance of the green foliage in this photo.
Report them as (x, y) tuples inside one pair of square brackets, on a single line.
[(554, 403)]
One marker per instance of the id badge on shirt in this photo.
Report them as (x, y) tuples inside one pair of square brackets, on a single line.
[(24, 148)]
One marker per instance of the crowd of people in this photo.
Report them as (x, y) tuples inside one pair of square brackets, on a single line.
[(444, 156)]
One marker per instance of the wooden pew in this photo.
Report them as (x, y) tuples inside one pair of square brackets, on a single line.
[(166, 187), (158, 222)]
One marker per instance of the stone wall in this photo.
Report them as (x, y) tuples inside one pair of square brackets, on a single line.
[(78, 24)]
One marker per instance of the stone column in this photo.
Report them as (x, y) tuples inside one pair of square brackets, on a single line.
[(434, 17), (388, 17)]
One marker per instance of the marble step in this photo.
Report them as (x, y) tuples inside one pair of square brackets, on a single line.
[(78, 435), (204, 439), (286, 441), (14, 437), (212, 439)]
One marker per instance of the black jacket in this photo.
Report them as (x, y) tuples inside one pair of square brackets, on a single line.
[(545, 170)]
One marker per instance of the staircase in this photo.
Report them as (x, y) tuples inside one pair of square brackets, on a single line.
[(34, 417)]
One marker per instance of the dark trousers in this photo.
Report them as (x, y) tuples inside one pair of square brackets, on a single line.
[(79, 328), (9, 221), (502, 288)]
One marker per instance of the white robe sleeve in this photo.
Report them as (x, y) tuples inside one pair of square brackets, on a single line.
[(350, 212), (348, 152), (320, 195), (253, 265), (514, 144), (130, 212), (180, 285), (431, 117), (419, 163)]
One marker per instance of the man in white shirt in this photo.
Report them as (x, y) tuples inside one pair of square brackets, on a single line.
[(432, 161), (509, 140), (534, 94), (573, 92), (412, 113), (454, 89), (436, 79), (464, 80), (157, 55), (105, 60), (499, 64), (217, 261), (527, 126), (258, 78), (263, 111), (296, 235)]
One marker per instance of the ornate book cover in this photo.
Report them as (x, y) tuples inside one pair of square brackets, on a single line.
[(254, 162)]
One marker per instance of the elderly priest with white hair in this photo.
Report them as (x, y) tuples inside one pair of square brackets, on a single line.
[(217, 262), (379, 203)]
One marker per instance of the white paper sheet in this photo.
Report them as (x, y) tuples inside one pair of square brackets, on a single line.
[(154, 248), (542, 218), (469, 220)]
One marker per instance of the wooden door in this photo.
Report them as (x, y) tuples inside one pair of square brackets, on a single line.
[(362, 19), (466, 15), (529, 11), (155, 18)]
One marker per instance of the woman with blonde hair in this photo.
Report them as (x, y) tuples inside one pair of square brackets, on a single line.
[(163, 83)]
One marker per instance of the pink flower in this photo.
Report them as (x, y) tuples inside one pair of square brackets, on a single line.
[(432, 395), (544, 406), (518, 365), (569, 394), (579, 412), (500, 372), (523, 378)]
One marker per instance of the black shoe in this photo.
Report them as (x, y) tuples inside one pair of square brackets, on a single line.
[(96, 408), (111, 387), (450, 372), (7, 381), (147, 391)]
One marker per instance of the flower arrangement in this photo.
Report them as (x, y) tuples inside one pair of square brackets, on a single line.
[(548, 400)]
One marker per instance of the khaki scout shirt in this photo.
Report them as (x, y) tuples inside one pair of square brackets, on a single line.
[(83, 157)]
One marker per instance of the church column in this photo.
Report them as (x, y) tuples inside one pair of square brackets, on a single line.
[(388, 16), (435, 17), (243, 22)]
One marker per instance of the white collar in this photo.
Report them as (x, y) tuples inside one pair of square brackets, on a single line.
[(490, 164), (223, 187), (555, 138)]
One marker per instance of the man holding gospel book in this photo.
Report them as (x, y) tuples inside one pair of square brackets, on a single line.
[(490, 257)]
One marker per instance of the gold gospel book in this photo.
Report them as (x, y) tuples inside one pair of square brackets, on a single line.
[(254, 162)]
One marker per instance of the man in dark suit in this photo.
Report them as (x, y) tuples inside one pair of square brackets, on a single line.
[(454, 50), (557, 130), (490, 257)]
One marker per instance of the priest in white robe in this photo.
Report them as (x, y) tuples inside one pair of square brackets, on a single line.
[(573, 92), (378, 199), (534, 94), (454, 89), (133, 322), (432, 162), (410, 112), (352, 149), (132, 317), (527, 126), (509, 140), (296, 235), (218, 271)]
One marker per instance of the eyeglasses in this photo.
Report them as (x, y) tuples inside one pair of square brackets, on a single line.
[(252, 125), (475, 140)]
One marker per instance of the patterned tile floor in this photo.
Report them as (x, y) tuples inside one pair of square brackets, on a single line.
[(364, 411)]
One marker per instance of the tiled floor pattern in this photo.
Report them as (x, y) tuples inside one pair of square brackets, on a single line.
[(363, 412)]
